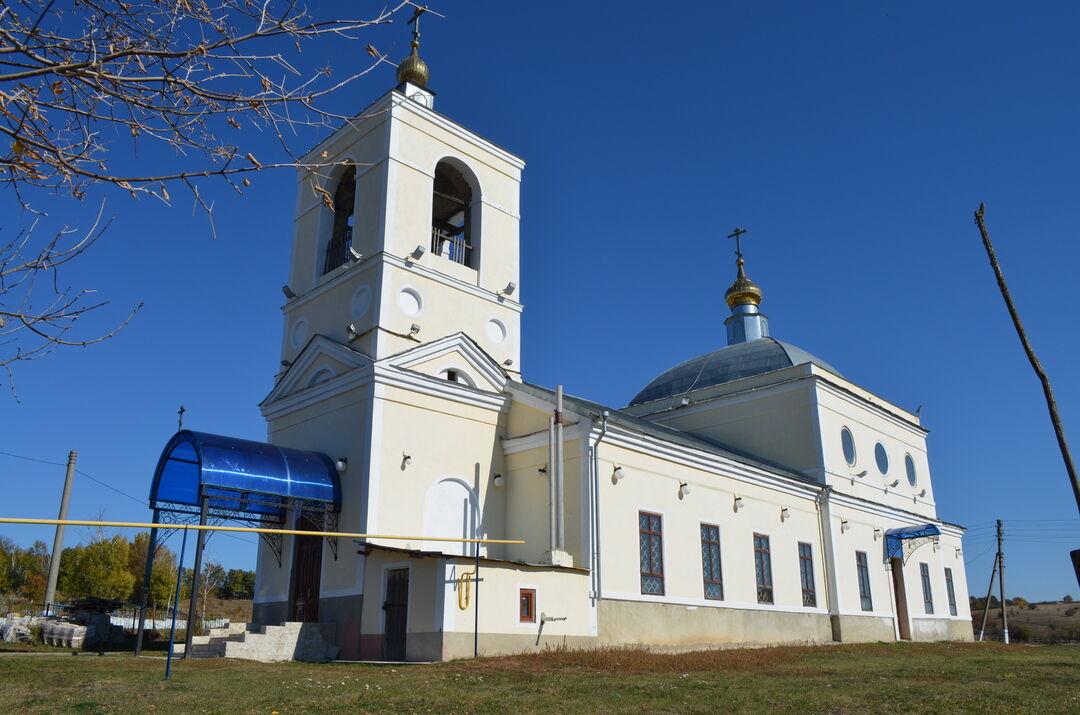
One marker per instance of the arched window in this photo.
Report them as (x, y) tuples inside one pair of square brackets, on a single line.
[(337, 250), (452, 227)]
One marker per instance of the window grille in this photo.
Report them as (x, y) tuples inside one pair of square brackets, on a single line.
[(650, 537), (806, 574), (710, 562), (950, 591), (864, 580), (763, 568), (927, 594)]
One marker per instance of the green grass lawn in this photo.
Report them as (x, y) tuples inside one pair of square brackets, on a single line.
[(900, 677)]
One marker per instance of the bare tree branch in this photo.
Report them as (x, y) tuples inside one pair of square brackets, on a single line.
[(82, 80)]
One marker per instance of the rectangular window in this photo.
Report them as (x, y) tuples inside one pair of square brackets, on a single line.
[(927, 595), (949, 590), (864, 581), (527, 605), (763, 568), (650, 537), (806, 573), (710, 562)]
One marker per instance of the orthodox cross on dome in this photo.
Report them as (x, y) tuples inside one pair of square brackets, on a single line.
[(415, 22), (180, 418), (736, 234)]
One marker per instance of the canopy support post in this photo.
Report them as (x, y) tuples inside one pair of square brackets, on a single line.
[(151, 547), (196, 576)]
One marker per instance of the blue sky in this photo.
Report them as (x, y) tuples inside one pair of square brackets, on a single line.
[(853, 139)]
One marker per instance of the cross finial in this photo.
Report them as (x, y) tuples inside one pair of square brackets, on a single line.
[(736, 234), (415, 22), (180, 418)]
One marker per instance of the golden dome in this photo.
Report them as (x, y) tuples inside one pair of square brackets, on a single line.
[(743, 291), (413, 69)]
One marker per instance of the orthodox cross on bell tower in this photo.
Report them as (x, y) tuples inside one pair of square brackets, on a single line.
[(415, 22), (736, 234)]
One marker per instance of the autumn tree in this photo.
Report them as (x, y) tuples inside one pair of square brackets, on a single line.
[(84, 83), (163, 576), (99, 569), (238, 584), (23, 571)]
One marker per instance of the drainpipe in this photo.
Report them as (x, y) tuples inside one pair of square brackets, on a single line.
[(596, 505), (829, 561), (551, 484), (559, 498)]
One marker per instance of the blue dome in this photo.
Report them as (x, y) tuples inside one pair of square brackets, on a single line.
[(732, 362)]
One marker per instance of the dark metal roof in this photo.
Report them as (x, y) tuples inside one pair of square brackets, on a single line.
[(240, 475), (732, 362)]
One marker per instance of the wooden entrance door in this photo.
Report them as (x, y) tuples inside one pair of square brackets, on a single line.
[(396, 607), (901, 599), (306, 570)]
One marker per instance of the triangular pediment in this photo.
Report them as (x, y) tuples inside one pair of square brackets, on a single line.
[(453, 356), (322, 361)]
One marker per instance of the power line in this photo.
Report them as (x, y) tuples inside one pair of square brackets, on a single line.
[(140, 502)]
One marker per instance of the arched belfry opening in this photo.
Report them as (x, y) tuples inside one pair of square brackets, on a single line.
[(341, 236), (453, 224)]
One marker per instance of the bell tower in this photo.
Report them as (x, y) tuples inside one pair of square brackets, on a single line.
[(408, 233)]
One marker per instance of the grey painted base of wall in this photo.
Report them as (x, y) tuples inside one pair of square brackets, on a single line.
[(270, 613), (866, 629), (460, 645), (657, 626), (344, 612), (939, 629), (685, 627)]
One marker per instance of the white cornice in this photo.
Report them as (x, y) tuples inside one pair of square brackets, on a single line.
[(382, 257), (882, 510), (351, 380), (828, 383), (727, 467), (461, 285), (437, 387), (513, 445), (479, 360), (403, 105), (336, 277)]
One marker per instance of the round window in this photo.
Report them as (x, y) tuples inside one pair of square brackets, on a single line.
[(882, 458), (909, 464), (848, 443)]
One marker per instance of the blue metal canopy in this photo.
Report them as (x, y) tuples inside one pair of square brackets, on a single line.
[(241, 476), (895, 538)]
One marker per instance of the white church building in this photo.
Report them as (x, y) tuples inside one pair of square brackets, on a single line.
[(752, 495)]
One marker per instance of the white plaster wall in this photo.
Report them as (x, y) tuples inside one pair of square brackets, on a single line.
[(652, 484)]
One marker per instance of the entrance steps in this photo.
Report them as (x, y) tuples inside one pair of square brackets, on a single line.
[(287, 641)]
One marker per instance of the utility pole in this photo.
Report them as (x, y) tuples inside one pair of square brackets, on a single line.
[(1001, 583), (58, 539)]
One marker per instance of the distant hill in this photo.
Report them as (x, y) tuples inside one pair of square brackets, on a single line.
[(1049, 621)]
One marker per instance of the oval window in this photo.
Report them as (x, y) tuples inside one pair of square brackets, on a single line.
[(848, 443), (882, 458), (909, 464)]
